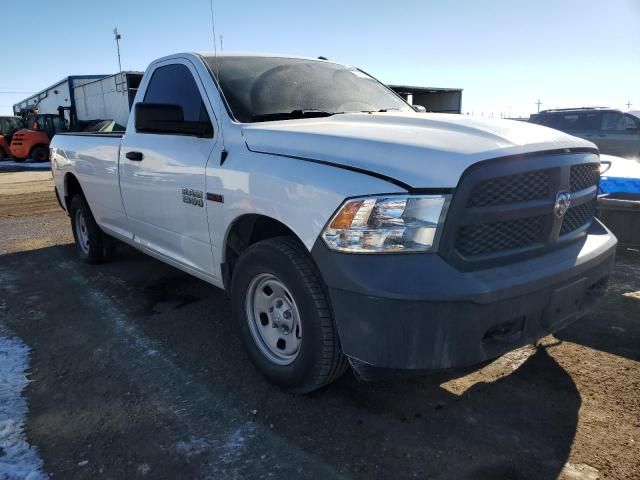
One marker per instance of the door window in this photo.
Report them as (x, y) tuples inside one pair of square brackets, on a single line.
[(613, 121), (174, 84), (574, 121), (49, 126), (631, 125), (59, 124), (569, 122)]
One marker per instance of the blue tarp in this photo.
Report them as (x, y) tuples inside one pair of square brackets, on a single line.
[(619, 184), (623, 175)]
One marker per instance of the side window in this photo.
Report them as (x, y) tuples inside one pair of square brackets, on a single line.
[(49, 126), (548, 120), (174, 84), (590, 121), (613, 121), (59, 125), (568, 122), (631, 123)]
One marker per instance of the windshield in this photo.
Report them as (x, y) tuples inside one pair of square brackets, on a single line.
[(270, 88), (10, 124)]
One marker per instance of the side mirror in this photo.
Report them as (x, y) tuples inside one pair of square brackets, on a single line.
[(419, 108), (168, 119)]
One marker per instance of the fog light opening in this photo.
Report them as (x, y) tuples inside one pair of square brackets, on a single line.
[(505, 330)]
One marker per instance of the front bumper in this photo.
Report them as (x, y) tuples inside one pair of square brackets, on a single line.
[(416, 311)]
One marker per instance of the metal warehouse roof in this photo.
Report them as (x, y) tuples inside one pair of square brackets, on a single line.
[(59, 82), (411, 89)]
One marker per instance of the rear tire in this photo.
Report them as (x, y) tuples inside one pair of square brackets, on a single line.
[(92, 244), (299, 351), (39, 154)]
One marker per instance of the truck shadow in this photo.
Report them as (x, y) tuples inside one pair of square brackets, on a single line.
[(613, 326), (518, 425)]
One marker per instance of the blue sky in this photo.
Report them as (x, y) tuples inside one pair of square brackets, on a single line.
[(505, 54)]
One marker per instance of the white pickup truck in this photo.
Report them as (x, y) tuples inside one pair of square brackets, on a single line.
[(348, 229)]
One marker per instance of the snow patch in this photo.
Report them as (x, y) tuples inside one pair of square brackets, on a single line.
[(235, 442), (195, 446), (225, 449), (18, 459)]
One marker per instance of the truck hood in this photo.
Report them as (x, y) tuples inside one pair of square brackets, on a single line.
[(420, 150)]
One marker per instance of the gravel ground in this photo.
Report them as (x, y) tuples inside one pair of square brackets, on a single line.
[(136, 372)]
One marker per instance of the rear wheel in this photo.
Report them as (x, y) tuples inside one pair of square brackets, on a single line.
[(39, 154), (92, 244), (283, 314)]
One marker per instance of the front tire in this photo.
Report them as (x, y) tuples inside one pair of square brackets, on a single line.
[(92, 244), (39, 154), (283, 314)]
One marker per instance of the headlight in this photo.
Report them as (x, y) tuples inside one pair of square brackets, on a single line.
[(391, 223)]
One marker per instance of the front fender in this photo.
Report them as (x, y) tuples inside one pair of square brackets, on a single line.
[(301, 195)]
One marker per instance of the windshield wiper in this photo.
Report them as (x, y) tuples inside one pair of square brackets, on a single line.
[(299, 113), (382, 110)]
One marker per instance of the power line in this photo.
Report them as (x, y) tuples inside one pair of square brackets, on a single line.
[(15, 91)]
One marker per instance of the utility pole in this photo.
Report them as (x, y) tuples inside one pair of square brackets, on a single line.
[(221, 49), (629, 104), (118, 37), (538, 103)]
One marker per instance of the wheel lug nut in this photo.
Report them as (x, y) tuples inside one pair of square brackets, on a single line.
[(287, 314), (270, 309), (278, 303), (273, 325)]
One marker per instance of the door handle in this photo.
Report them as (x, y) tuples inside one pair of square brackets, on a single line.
[(134, 156)]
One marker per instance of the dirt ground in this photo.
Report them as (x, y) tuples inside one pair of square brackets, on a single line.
[(137, 372)]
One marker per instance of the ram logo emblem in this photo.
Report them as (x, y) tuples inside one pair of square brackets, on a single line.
[(563, 202)]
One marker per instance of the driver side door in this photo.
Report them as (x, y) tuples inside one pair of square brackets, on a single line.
[(162, 175)]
